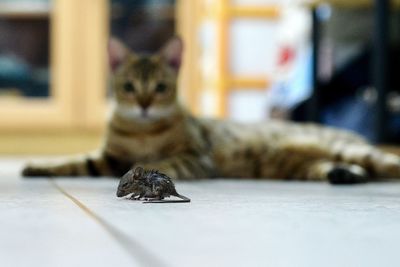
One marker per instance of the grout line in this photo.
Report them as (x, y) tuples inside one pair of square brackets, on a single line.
[(135, 250)]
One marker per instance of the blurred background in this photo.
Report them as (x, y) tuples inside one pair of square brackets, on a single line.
[(331, 62)]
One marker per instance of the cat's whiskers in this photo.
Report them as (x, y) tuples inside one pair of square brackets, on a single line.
[(161, 112), (128, 112), (138, 114)]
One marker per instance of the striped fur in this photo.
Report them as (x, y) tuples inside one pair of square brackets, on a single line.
[(149, 128)]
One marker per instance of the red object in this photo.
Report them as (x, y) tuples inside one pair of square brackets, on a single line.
[(286, 55)]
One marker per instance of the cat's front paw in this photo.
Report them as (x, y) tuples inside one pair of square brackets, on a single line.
[(36, 171), (346, 175)]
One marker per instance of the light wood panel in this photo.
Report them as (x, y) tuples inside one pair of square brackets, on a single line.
[(221, 91), (187, 17), (95, 74), (48, 143)]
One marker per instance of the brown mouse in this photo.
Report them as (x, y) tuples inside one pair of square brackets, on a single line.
[(150, 185)]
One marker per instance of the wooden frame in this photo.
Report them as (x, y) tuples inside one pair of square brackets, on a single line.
[(78, 73), (221, 12), (226, 12)]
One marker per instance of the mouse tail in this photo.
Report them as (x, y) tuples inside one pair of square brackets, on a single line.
[(183, 199)]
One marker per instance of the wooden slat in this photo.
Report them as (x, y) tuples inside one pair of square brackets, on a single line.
[(26, 114), (222, 57), (187, 16), (94, 76), (21, 10), (265, 12), (42, 143), (251, 83), (349, 4)]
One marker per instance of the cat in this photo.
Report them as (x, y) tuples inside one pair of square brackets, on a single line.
[(150, 128)]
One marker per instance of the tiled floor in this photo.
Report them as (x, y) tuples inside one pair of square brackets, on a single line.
[(80, 222)]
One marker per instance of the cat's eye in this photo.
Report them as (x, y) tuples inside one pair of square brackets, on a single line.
[(129, 88), (125, 185), (161, 88)]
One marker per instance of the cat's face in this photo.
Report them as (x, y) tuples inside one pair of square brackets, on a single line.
[(145, 86)]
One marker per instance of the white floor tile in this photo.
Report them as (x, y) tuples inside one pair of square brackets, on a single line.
[(258, 223), (41, 227), (228, 223)]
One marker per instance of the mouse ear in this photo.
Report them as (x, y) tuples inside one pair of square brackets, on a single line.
[(127, 176), (138, 172)]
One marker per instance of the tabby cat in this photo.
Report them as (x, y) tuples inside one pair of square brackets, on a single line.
[(150, 128)]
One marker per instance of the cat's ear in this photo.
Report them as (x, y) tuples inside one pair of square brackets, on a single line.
[(117, 53), (172, 52)]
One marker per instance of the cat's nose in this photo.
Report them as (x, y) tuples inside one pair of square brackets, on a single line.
[(144, 102)]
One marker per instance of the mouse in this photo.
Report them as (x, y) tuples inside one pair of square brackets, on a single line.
[(149, 185)]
